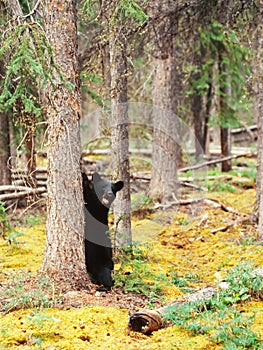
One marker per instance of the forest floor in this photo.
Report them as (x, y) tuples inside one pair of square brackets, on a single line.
[(176, 252)]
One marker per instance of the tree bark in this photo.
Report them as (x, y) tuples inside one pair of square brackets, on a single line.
[(225, 148), (224, 131), (120, 136), (208, 107), (166, 128), (197, 108), (64, 258), (258, 109), (31, 160), (224, 88), (5, 177), (198, 126)]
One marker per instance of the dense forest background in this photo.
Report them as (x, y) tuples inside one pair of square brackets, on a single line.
[(174, 78)]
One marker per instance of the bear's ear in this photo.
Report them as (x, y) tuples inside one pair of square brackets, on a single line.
[(96, 177), (118, 186)]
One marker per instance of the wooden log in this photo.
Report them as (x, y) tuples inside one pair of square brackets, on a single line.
[(13, 188), (216, 161), (102, 152), (245, 128), (21, 193), (24, 171), (147, 321)]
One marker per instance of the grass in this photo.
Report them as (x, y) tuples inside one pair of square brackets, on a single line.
[(134, 274), (29, 291), (218, 317)]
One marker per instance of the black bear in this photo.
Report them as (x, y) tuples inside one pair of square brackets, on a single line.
[(98, 197)]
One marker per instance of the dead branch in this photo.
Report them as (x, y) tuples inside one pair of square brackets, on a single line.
[(181, 202), (216, 161), (196, 187), (147, 321), (248, 129), (210, 201), (223, 228), (239, 221), (217, 204)]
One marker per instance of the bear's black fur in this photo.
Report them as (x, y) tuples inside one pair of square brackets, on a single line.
[(98, 197)]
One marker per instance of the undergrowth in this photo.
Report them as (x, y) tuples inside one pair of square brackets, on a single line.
[(134, 274), (219, 316), (28, 291), (7, 231)]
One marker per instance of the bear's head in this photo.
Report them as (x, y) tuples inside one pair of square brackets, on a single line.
[(105, 190)]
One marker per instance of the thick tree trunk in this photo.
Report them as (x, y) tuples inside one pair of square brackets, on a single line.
[(166, 128), (120, 137), (64, 258), (5, 177), (258, 109)]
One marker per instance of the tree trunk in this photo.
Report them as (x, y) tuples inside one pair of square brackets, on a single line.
[(197, 110), (224, 88), (120, 137), (166, 128), (64, 258), (225, 135), (208, 107), (31, 160), (198, 126), (225, 148), (5, 177), (258, 109)]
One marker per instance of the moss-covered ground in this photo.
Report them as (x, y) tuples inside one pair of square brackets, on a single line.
[(180, 254)]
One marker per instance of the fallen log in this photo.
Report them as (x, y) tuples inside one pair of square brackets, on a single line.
[(22, 192), (147, 321), (102, 152), (244, 128), (14, 188), (39, 170)]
